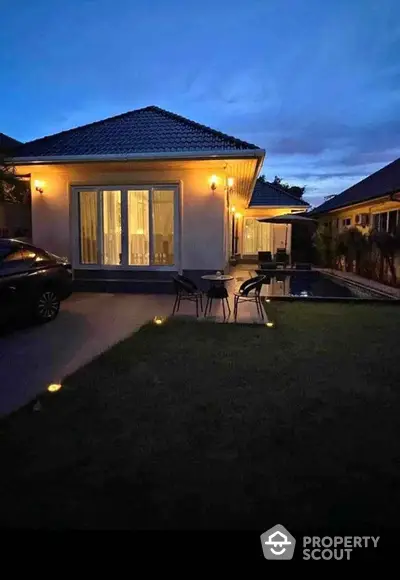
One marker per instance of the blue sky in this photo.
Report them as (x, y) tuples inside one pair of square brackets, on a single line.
[(317, 84)]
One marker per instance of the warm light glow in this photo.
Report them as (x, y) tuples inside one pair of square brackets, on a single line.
[(158, 320), (140, 231), (231, 181), (233, 209), (268, 300), (270, 324), (213, 182), (238, 215), (39, 185), (53, 388)]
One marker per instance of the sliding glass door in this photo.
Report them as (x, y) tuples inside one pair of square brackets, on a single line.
[(256, 236), (128, 227)]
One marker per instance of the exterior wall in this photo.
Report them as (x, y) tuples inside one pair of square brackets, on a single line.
[(371, 207), (202, 212), (14, 218)]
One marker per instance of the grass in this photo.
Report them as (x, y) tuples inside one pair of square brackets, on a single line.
[(205, 426)]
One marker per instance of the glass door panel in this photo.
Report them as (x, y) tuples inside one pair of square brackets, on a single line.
[(112, 243), (88, 227), (163, 201), (138, 228)]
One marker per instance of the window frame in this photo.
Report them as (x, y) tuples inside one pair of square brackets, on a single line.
[(75, 225)]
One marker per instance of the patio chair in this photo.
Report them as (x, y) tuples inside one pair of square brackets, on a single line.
[(249, 291), (185, 289), (268, 266), (281, 257), (264, 257), (217, 293)]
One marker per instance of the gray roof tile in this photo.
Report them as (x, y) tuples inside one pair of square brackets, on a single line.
[(148, 130), (8, 143), (379, 184), (268, 194)]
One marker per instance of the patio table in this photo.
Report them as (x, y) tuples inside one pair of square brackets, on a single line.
[(217, 290)]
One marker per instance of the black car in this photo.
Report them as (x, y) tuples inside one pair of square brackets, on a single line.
[(32, 281)]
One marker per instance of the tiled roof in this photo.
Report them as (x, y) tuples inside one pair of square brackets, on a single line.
[(268, 194), (8, 143), (379, 184), (148, 130)]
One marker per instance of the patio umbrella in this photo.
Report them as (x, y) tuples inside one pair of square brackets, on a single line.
[(289, 218)]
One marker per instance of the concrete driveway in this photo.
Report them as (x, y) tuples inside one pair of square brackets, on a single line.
[(88, 324)]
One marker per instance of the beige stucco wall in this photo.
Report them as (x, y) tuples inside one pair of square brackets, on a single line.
[(371, 207), (202, 211)]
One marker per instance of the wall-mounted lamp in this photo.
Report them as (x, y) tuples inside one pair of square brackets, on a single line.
[(233, 209), (213, 182), (229, 184), (238, 215), (39, 185)]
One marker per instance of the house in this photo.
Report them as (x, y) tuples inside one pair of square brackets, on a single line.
[(373, 202), (267, 200), (134, 198)]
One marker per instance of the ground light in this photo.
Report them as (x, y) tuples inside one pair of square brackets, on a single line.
[(268, 300), (54, 387), (270, 324), (158, 320)]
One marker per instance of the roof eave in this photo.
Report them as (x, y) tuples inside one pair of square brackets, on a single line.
[(165, 155), (351, 204)]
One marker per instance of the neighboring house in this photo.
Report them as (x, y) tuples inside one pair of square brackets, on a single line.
[(373, 202), (267, 200), (15, 218), (136, 197)]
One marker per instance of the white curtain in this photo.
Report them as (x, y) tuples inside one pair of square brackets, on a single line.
[(112, 250), (138, 226), (88, 226), (256, 236), (163, 227)]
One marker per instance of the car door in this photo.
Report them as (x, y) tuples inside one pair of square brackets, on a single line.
[(14, 273)]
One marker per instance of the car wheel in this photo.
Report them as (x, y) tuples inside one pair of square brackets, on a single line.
[(47, 306)]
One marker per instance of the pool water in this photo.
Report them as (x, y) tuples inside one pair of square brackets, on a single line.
[(302, 285)]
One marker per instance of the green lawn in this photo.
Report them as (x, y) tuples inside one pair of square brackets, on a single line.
[(205, 426)]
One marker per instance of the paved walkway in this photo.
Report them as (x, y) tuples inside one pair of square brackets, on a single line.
[(372, 284), (88, 324)]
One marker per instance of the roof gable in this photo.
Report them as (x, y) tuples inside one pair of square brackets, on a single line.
[(268, 194), (382, 182), (8, 143), (147, 130)]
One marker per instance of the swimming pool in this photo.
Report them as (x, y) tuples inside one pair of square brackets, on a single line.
[(312, 284)]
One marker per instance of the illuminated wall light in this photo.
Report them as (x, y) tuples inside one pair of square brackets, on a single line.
[(233, 209), (39, 185), (230, 182), (270, 324), (238, 215), (54, 387), (158, 320), (213, 182), (268, 300)]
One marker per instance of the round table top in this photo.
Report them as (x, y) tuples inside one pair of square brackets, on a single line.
[(217, 278)]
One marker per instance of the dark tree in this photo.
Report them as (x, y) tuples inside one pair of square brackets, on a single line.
[(295, 190), (13, 188)]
